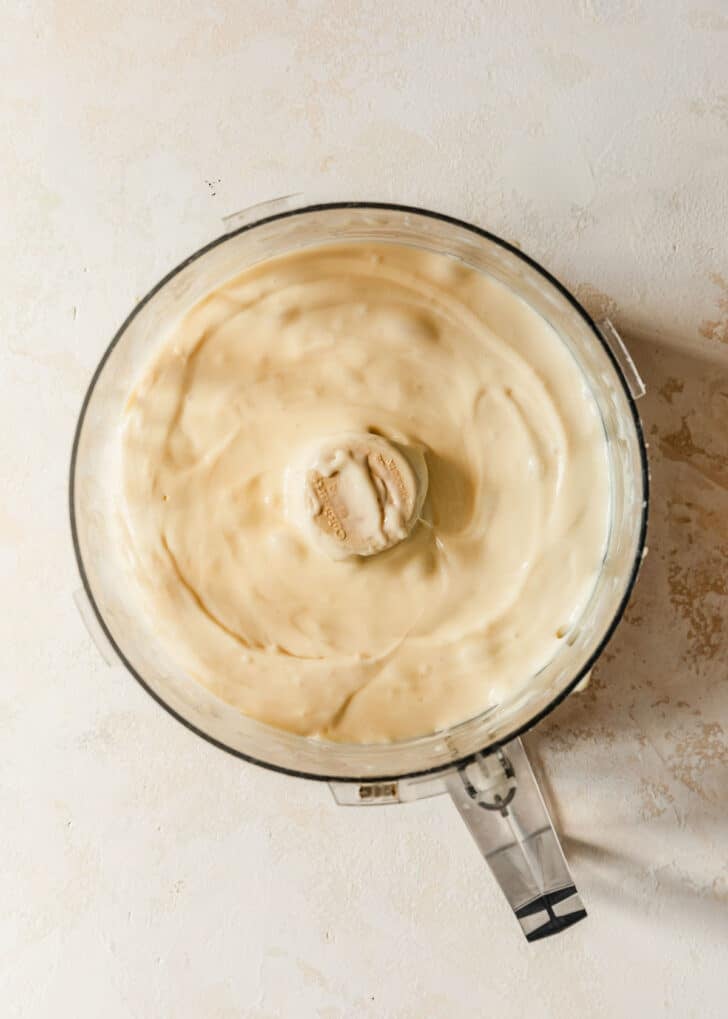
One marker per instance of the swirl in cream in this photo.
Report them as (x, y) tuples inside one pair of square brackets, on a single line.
[(433, 356)]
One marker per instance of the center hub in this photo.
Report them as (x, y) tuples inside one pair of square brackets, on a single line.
[(356, 494)]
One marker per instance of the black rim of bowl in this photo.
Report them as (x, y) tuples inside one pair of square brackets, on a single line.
[(586, 667)]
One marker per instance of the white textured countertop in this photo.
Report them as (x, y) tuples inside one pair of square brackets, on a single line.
[(145, 874)]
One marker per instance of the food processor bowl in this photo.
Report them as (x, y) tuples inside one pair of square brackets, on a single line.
[(376, 772)]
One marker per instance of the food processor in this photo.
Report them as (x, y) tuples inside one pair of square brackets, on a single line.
[(480, 763)]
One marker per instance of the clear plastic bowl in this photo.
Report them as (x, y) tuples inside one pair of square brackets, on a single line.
[(95, 492)]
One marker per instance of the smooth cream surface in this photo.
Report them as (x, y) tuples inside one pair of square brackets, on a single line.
[(432, 355)]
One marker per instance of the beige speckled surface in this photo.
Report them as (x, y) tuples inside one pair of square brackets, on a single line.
[(146, 874)]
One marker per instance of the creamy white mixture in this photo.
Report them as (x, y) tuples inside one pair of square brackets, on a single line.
[(308, 574)]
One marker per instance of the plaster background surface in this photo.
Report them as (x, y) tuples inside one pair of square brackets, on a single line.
[(144, 873)]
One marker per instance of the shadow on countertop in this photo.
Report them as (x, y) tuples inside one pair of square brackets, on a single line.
[(659, 693)]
